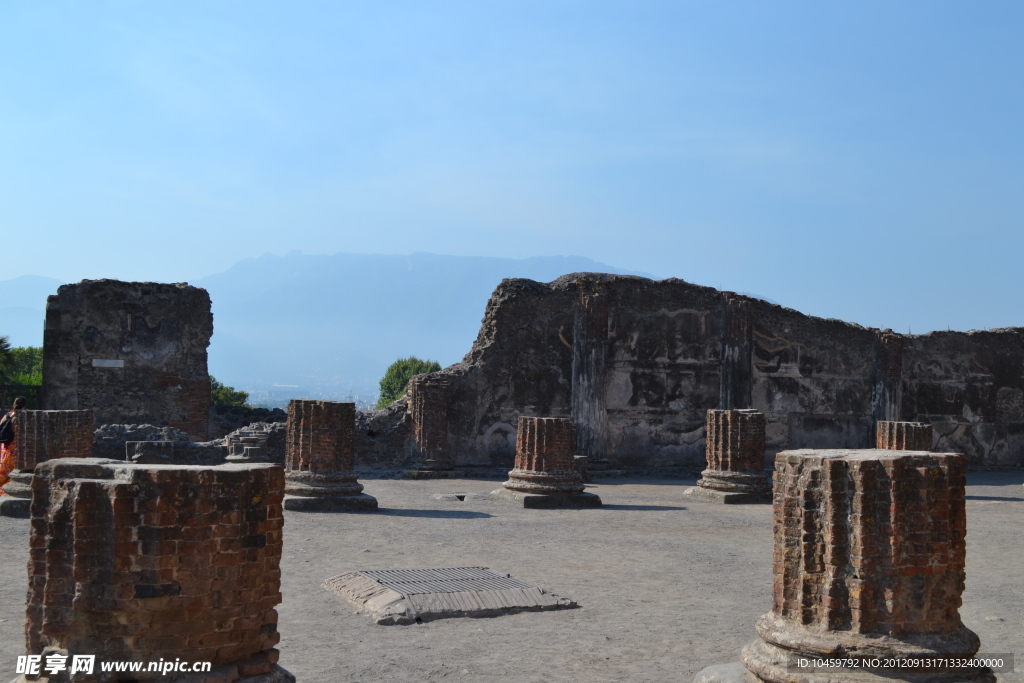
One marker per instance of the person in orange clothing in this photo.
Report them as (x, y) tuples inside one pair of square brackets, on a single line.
[(7, 440)]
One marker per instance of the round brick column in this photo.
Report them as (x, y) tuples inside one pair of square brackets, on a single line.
[(544, 474), (134, 563), (903, 436), (544, 463), (41, 435), (868, 560), (320, 459), (428, 407), (735, 452)]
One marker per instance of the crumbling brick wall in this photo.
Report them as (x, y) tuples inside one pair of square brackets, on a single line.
[(132, 352), (136, 563), (673, 350)]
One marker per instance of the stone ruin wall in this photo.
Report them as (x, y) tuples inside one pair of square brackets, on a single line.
[(675, 350), (132, 352)]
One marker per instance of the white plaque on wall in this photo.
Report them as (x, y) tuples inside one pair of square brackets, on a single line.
[(107, 363)]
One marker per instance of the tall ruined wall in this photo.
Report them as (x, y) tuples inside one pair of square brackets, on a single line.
[(673, 350), (132, 352)]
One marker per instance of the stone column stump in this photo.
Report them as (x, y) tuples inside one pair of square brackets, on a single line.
[(735, 455), (171, 563), (868, 563), (41, 435), (544, 476), (903, 436), (320, 461), (428, 407)]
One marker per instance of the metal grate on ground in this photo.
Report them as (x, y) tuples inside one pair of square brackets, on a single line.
[(406, 596), (450, 580)]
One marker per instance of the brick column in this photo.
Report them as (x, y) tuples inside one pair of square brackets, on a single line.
[(903, 436), (135, 563), (41, 435), (544, 475), (428, 407), (735, 456), (320, 460), (869, 560)]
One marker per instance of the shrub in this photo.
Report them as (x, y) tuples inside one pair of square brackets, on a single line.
[(221, 395), (392, 385)]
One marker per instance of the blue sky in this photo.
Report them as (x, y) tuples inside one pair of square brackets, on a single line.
[(858, 160)]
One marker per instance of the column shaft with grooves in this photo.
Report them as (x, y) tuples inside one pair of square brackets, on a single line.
[(735, 452), (903, 436), (135, 563), (320, 458), (544, 462), (428, 405), (868, 560)]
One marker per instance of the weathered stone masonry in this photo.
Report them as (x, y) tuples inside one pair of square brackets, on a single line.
[(544, 475), (428, 407), (672, 350), (735, 459), (320, 458), (903, 436), (133, 352), (868, 560), (138, 563)]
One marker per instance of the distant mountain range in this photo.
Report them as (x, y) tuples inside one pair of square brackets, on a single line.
[(336, 322), (329, 324)]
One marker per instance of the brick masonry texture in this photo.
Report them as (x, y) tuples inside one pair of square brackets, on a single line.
[(672, 350), (544, 457), (137, 563), (735, 452), (869, 553), (735, 440), (160, 332), (42, 435), (428, 407), (903, 436), (320, 452)]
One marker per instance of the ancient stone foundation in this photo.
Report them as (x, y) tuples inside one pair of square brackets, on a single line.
[(903, 436), (544, 475), (42, 435), (137, 563), (428, 407), (320, 459), (868, 562), (735, 455)]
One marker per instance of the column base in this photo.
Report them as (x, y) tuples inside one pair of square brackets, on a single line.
[(546, 500), (357, 503), (15, 507), (725, 497), (775, 655)]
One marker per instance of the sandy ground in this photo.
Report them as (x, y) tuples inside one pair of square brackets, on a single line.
[(665, 586)]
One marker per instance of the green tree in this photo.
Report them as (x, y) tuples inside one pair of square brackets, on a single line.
[(397, 377), (5, 353), (22, 365), (221, 395)]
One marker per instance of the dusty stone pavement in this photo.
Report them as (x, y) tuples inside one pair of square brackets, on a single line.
[(665, 587)]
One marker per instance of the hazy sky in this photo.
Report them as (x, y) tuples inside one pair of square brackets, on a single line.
[(859, 160)]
